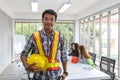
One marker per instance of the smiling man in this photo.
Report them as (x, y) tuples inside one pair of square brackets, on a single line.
[(50, 44)]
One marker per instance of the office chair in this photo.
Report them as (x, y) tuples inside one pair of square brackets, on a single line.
[(107, 66), (93, 56)]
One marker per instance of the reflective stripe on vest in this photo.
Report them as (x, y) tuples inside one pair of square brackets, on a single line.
[(52, 62)]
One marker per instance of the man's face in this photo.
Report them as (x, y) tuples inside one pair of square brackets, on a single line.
[(48, 21)]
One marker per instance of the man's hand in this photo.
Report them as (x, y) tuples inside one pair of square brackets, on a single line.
[(32, 68), (63, 76), (28, 67)]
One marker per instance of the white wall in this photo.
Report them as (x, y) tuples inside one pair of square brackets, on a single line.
[(5, 40), (76, 32)]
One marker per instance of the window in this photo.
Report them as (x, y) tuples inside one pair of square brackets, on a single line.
[(66, 28)]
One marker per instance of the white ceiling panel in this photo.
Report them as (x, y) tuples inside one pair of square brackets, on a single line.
[(14, 7)]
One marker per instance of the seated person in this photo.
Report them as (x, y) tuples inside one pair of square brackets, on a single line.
[(84, 56), (74, 50)]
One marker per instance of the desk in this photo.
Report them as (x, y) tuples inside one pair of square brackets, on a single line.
[(81, 71)]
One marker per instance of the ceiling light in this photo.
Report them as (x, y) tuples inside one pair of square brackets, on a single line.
[(34, 5), (64, 7)]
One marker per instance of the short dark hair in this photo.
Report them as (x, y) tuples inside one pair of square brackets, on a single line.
[(72, 44), (49, 11)]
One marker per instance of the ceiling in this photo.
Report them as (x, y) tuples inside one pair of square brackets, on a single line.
[(24, 6)]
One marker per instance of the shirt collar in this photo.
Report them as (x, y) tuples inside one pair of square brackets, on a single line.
[(44, 33)]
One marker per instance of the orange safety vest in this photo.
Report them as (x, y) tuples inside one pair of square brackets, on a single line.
[(52, 62)]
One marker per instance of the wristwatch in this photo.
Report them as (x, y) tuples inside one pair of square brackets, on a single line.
[(66, 73)]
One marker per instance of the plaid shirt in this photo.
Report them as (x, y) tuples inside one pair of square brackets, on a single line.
[(61, 54)]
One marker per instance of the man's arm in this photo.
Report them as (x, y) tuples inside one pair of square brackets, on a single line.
[(65, 73), (29, 67), (64, 64), (63, 58), (24, 60)]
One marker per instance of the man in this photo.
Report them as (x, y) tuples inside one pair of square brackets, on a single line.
[(52, 44)]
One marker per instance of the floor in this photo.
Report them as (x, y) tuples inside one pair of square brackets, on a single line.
[(15, 71)]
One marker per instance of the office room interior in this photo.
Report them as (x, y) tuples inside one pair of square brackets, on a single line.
[(93, 23)]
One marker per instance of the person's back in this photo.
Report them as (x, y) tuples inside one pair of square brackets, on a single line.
[(84, 56)]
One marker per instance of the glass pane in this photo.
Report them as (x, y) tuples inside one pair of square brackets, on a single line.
[(38, 26), (86, 35), (18, 28), (91, 36), (67, 30), (32, 27), (114, 38), (104, 36), (97, 39), (25, 30), (82, 33)]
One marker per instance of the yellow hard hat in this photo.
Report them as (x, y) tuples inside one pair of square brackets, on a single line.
[(39, 60)]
